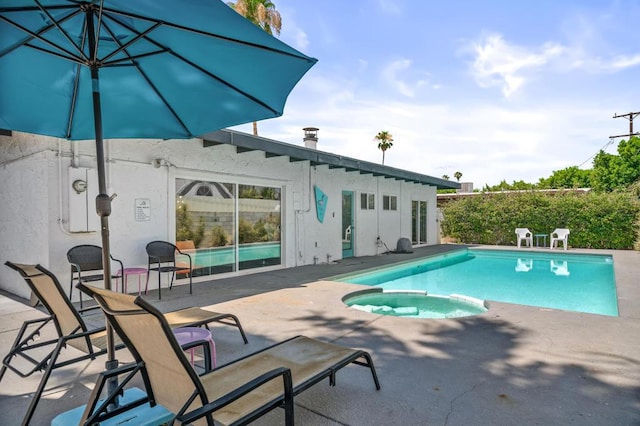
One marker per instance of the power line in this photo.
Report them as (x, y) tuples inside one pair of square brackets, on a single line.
[(611, 140)]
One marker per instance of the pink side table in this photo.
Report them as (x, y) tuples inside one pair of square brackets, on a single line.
[(131, 271), (186, 335)]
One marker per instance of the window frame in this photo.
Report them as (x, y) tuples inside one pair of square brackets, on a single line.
[(390, 202)]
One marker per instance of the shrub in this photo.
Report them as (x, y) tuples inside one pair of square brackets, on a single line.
[(596, 220)]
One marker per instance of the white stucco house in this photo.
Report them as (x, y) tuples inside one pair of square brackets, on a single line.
[(247, 203)]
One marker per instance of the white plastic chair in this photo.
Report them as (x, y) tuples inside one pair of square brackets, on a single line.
[(559, 235), (523, 234)]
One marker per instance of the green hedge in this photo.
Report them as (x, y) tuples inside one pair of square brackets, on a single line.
[(596, 220)]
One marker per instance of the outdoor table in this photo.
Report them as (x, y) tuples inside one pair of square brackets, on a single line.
[(544, 239), (199, 337), (130, 271)]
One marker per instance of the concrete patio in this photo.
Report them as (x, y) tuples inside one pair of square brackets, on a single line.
[(511, 365)]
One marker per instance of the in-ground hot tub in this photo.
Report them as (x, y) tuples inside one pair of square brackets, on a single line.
[(414, 304)]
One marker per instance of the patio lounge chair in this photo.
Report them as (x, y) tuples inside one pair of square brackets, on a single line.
[(559, 235), (523, 234), (236, 393), (42, 355)]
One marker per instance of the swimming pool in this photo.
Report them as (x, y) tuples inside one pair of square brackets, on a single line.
[(550, 279)]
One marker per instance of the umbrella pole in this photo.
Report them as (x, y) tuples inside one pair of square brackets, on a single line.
[(103, 208), (103, 201)]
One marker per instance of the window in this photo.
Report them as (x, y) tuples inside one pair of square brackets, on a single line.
[(389, 202), (367, 201)]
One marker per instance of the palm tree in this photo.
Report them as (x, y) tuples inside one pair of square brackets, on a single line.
[(457, 175), (262, 13), (445, 177), (385, 141)]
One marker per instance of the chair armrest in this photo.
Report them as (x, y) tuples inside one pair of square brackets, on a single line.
[(184, 254), (243, 390), (119, 262)]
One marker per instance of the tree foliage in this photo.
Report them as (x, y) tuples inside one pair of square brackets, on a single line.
[(262, 13), (610, 172), (571, 177), (385, 142)]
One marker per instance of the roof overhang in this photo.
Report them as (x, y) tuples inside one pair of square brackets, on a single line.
[(245, 142)]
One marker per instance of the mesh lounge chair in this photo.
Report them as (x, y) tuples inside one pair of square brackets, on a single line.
[(28, 355), (236, 393), (162, 258), (86, 259), (523, 234)]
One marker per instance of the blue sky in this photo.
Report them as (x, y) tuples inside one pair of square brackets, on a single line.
[(497, 90)]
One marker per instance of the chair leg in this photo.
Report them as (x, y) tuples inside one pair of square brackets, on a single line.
[(159, 290), (43, 382), (3, 370)]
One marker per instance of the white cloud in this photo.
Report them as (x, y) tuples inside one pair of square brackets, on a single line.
[(390, 74), (292, 33), (622, 62), (486, 143), (498, 63)]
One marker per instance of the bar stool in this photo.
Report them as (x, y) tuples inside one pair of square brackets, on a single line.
[(186, 335)]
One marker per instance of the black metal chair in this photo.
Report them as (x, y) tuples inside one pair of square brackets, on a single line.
[(162, 258), (86, 259)]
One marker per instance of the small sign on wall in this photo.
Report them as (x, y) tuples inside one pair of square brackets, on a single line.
[(143, 209)]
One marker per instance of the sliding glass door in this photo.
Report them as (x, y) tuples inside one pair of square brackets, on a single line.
[(228, 226)]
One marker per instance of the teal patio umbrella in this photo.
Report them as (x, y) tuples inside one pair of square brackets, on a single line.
[(94, 69)]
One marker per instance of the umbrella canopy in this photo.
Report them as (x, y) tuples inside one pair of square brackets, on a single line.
[(166, 69), (88, 69)]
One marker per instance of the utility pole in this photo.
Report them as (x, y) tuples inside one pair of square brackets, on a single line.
[(630, 116)]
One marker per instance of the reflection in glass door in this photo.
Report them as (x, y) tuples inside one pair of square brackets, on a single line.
[(227, 227), (347, 229), (418, 222), (258, 226)]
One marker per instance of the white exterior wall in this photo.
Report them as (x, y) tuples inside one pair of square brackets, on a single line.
[(34, 199)]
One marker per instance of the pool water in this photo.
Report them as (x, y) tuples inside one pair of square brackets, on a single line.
[(414, 304), (551, 279)]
